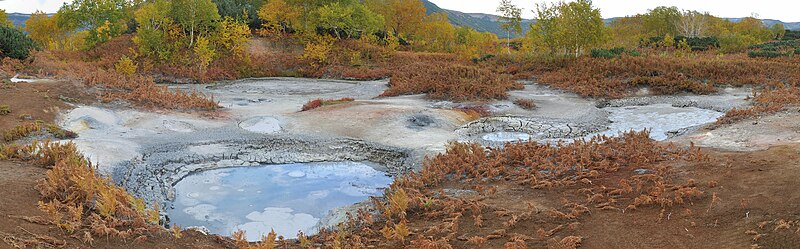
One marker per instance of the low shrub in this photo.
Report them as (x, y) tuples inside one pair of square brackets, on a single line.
[(620, 77), (474, 112), (766, 101), (766, 54), (526, 104), (613, 53), (316, 103), (79, 201), (695, 43), (5, 110), (14, 43), (37, 127), (448, 80)]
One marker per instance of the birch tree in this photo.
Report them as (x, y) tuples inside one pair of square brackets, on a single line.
[(511, 19)]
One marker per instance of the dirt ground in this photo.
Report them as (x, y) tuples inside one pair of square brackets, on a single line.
[(38, 101)]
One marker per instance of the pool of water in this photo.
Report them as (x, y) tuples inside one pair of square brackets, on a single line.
[(503, 136), (287, 198), (659, 118)]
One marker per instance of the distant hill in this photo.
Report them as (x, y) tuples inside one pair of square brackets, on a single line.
[(490, 23), (478, 21), (18, 19), (770, 22)]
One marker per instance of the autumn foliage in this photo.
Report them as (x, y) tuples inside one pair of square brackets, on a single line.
[(448, 78), (664, 75), (765, 101), (316, 103), (79, 201)]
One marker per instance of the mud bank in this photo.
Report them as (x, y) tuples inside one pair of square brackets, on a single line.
[(563, 116)]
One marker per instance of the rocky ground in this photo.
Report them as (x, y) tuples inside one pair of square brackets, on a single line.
[(148, 152)]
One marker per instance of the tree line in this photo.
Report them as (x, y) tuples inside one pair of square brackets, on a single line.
[(573, 28)]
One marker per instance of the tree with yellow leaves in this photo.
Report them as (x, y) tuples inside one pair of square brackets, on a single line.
[(279, 15)]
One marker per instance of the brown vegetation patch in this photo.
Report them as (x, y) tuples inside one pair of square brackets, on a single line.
[(96, 68), (316, 103), (450, 81), (526, 104), (766, 101), (697, 73)]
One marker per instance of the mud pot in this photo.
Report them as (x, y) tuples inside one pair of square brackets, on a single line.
[(262, 164), (284, 198)]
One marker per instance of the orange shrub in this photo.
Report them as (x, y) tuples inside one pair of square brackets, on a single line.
[(766, 101), (526, 104), (616, 78), (316, 103), (442, 79)]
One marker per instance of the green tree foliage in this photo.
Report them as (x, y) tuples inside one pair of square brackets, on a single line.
[(662, 21), (14, 43), (570, 27), (195, 17), (403, 17), (160, 37), (155, 29), (241, 10), (753, 27), (778, 31), (42, 29), (347, 19), (511, 18), (543, 32), (233, 36), (627, 31), (437, 34), (103, 19), (4, 22), (278, 15), (204, 52), (473, 44)]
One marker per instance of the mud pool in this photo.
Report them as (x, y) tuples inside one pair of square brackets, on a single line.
[(663, 120), (287, 198)]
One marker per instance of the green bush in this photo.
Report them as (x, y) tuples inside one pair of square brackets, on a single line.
[(791, 35), (766, 54), (696, 43), (14, 43), (777, 45), (614, 52)]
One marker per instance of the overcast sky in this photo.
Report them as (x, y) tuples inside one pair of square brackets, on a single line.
[(785, 10)]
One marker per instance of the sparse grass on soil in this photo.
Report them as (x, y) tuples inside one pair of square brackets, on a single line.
[(37, 127)]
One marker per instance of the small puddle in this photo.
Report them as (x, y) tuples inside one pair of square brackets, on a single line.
[(287, 198), (503, 136), (659, 118)]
